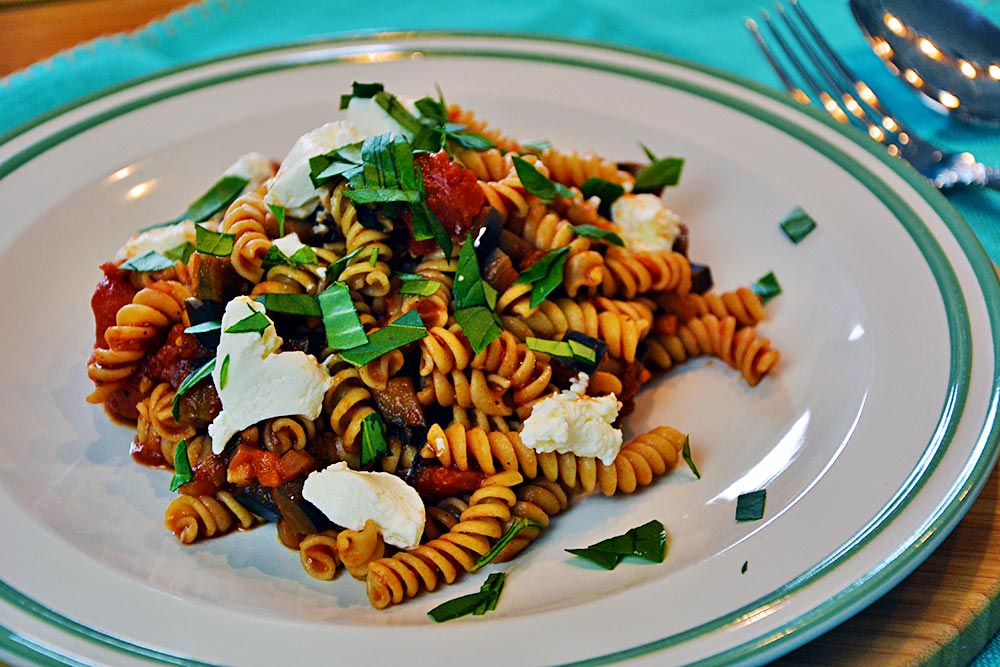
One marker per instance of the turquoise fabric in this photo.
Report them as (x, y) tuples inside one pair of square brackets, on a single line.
[(710, 32)]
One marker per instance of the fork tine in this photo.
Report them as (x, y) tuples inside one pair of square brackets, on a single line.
[(776, 65)]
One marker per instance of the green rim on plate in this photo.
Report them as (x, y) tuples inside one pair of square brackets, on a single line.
[(948, 511)]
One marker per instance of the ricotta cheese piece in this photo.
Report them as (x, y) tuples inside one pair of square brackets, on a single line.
[(646, 222), (261, 382), (292, 188), (372, 120), (349, 498), (571, 421), (158, 239), (255, 167)]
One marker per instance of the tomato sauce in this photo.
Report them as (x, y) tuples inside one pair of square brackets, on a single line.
[(113, 292), (453, 195)]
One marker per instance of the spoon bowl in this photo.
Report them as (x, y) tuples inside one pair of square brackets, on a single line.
[(944, 48)]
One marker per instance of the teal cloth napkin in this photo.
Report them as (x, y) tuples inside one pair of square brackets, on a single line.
[(709, 32)]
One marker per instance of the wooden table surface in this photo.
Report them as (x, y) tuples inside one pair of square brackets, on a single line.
[(942, 614)]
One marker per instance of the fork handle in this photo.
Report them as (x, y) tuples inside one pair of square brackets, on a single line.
[(991, 176)]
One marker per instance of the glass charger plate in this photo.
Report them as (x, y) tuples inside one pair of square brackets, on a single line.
[(871, 438)]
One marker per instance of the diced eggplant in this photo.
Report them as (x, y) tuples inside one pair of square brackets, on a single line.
[(499, 271), (599, 347), (200, 311), (398, 403), (681, 242), (258, 500), (199, 406), (701, 278), (521, 252), (215, 279), (301, 515), (487, 236)]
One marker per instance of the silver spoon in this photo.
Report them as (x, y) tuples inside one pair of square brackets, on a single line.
[(944, 48)]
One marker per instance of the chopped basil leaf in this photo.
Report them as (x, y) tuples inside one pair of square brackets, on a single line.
[(405, 330), (224, 373), (471, 140), (537, 183), (147, 261), (604, 190), (181, 253), (204, 327), (373, 442), (594, 232), (743, 570), (797, 224), (340, 318), (545, 275), (648, 542), (275, 257), (182, 467), (686, 453), (750, 506), (537, 146), (659, 173), (334, 270), (362, 90), (405, 276), (469, 290), (193, 378), (373, 260), (420, 287), (649, 154), (474, 603), (426, 225), (208, 242), (256, 322), (304, 255), (344, 161), (516, 528), (767, 287), (304, 305), (480, 325), (279, 215), (219, 196), (566, 349), (581, 352)]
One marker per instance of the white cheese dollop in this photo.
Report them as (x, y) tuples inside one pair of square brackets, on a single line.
[(349, 498), (159, 239), (372, 120), (571, 421), (292, 188), (646, 222), (254, 167), (261, 382)]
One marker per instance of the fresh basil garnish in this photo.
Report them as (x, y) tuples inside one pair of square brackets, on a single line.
[(373, 441), (595, 232), (797, 224), (218, 244), (182, 467), (255, 322), (648, 542), (537, 183), (204, 327), (340, 318), (750, 506), (303, 305), (420, 287), (362, 90), (767, 287), (222, 193), (279, 215), (516, 528), (658, 174), (686, 453), (224, 373), (606, 191), (480, 325), (475, 603), (405, 330), (193, 378), (181, 253), (147, 261), (545, 275)]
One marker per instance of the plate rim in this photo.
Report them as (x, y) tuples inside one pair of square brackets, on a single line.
[(948, 513)]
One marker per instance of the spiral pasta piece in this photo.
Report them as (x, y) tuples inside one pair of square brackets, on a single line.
[(463, 116), (574, 168), (630, 274), (192, 518), (319, 555), (527, 374), (156, 414), (620, 331), (369, 277), (444, 350), (537, 501), (472, 391), (406, 573), (434, 309), (247, 220), (357, 548), (489, 165), (138, 326), (348, 402)]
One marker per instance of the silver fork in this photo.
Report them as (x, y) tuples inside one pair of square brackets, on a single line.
[(828, 83)]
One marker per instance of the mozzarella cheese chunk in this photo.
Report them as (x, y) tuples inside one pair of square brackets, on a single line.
[(261, 382), (159, 239), (289, 244), (646, 222), (254, 167), (350, 498), (292, 188), (372, 120), (572, 422)]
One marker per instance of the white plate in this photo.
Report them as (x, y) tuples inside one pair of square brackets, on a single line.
[(872, 437)]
